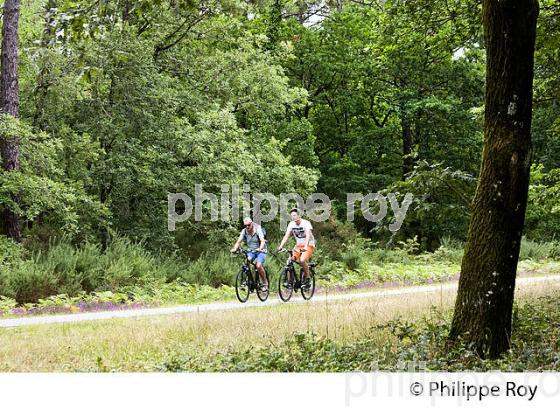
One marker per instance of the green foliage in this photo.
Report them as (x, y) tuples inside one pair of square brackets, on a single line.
[(10, 252), (29, 281), (353, 257), (7, 304), (130, 121), (370, 77), (440, 206), (125, 102), (449, 250), (410, 246), (545, 128), (219, 268), (543, 206), (123, 266), (40, 183), (538, 251)]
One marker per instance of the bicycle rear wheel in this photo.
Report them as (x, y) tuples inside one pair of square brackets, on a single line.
[(308, 291), (285, 285), (242, 285), (262, 295)]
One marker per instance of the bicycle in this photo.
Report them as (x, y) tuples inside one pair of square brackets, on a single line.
[(288, 281), (245, 283)]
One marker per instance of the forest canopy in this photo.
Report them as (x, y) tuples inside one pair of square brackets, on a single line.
[(122, 102)]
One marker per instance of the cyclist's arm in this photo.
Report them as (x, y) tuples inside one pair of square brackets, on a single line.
[(262, 241), (284, 239), (307, 238), (236, 246), (238, 243)]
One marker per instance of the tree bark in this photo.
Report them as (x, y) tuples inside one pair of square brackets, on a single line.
[(483, 308), (9, 103), (49, 30), (43, 81), (126, 7), (408, 146)]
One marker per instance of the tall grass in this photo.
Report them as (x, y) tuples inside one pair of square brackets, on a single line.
[(390, 328)]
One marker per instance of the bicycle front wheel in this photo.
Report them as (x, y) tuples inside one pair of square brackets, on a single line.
[(308, 289), (242, 285), (263, 294), (285, 285)]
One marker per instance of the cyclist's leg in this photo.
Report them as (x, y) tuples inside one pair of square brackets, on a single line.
[(296, 253), (259, 261), (305, 258), (251, 257)]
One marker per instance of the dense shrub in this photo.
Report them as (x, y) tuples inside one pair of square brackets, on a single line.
[(66, 269), (63, 268), (539, 251)]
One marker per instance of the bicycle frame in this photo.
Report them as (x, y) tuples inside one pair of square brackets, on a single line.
[(248, 280), (251, 268), (247, 264), (295, 279)]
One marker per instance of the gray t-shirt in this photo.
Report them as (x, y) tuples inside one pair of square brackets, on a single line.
[(253, 241)]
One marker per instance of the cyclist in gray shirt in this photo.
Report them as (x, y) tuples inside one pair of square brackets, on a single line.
[(253, 236)]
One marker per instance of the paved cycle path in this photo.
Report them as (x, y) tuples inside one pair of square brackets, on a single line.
[(222, 306)]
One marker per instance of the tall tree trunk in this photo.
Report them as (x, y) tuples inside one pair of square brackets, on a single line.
[(126, 7), (483, 309), (408, 145), (43, 81), (9, 103), (49, 30)]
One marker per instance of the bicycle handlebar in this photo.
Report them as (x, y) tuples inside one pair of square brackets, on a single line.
[(284, 250), (241, 251)]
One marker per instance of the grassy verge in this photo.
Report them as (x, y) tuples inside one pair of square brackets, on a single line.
[(333, 336)]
